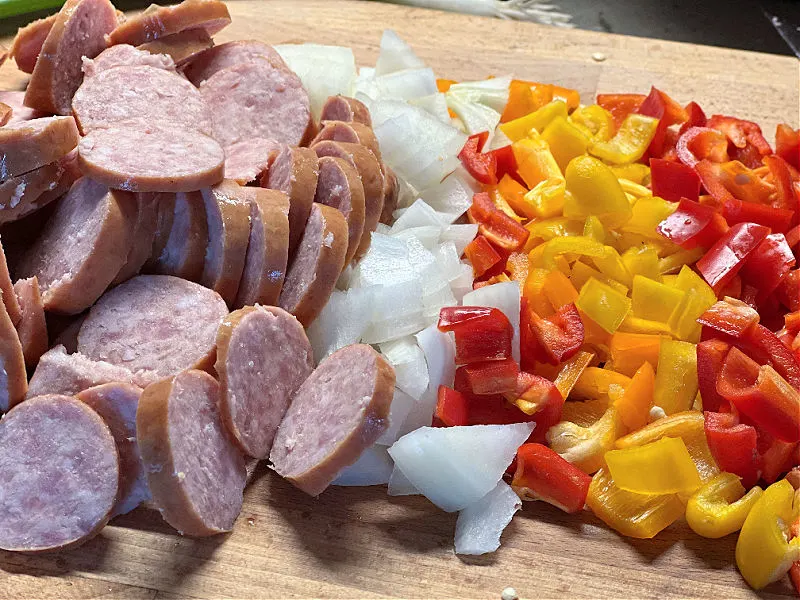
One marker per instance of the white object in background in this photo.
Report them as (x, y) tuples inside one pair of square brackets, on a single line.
[(504, 296), (539, 11), (373, 467), (480, 525)]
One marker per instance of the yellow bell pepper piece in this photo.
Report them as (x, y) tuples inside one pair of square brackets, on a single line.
[(636, 172), (634, 515), (517, 266), (611, 265), (687, 280), (763, 552), (636, 400), (594, 190), (674, 262), (595, 382), (571, 371), (535, 162), (547, 229), (562, 264), (630, 142), (538, 120), (501, 203), (565, 140), (585, 447), (662, 467), (634, 189), (689, 426), (579, 245), (605, 305), (634, 324), (596, 120), (532, 290), (629, 351), (646, 214), (721, 506), (699, 297), (584, 412), (676, 376), (559, 290), (642, 260), (594, 229), (546, 199), (654, 301), (581, 273)]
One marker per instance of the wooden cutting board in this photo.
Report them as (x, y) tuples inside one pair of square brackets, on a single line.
[(358, 543)]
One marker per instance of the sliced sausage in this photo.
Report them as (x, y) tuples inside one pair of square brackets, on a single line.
[(317, 264), (6, 112), (145, 93), (69, 374), (340, 186), (294, 172), (257, 99), (343, 108), (79, 30), (166, 215), (155, 158), (245, 161), (391, 195), (220, 57), (14, 383), (143, 236), (195, 473), (32, 327), (181, 47), (338, 412), (60, 474), (267, 250), (369, 169), (352, 133), (154, 323), (7, 290), (263, 355), (28, 145), (159, 21), (20, 112), (28, 43), (124, 55), (83, 246), (116, 403), (184, 251)]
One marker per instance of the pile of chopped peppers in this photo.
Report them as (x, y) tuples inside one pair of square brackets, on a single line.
[(656, 250)]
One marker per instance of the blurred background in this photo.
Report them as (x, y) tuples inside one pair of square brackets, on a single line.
[(761, 25)]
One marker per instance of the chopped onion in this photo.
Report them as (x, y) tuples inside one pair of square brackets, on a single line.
[(398, 311), (435, 104), (374, 467), (419, 214), (324, 70), (452, 196), (474, 116), (440, 357), (405, 85), (492, 93), (395, 55), (499, 140), (402, 404), (448, 260), (504, 296), (480, 525), (460, 235), (409, 364), (385, 263), (456, 466), (461, 284), (399, 485), (342, 321), (427, 235)]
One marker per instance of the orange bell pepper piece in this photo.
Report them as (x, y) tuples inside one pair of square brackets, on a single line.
[(636, 401), (620, 105), (521, 101), (629, 351)]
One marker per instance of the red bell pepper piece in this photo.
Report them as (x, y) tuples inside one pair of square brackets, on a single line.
[(762, 395), (482, 166), (481, 255), (696, 117), (542, 474), (767, 265), (699, 143), (620, 105), (741, 132), (787, 144), (710, 358), (497, 226), (506, 162), (733, 445), (481, 333), (673, 180), (556, 338), (693, 225), (452, 408), (788, 291), (776, 456), (490, 377), (730, 316), (735, 211), (787, 196), (725, 258), (668, 112)]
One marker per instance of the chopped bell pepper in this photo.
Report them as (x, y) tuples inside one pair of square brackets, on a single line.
[(734, 446), (786, 196), (730, 316), (725, 258), (585, 447), (594, 229), (634, 515), (668, 112), (711, 356), (490, 377), (595, 382), (481, 333), (594, 190), (787, 144), (541, 474), (575, 245), (699, 298), (699, 143), (660, 467), (736, 211), (514, 193), (629, 143), (741, 132), (571, 371), (558, 290), (695, 117), (633, 324), (538, 120), (481, 255), (556, 338), (565, 140), (571, 97), (482, 166), (776, 456), (611, 265), (642, 260), (692, 225), (676, 376), (532, 393), (596, 120), (629, 351), (620, 105), (768, 264), (495, 225), (653, 300), (764, 552), (587, 412), (647, 213), (605, 306), (721, 506), (677, 260), (732, 178), (535, 162), (581, 273), (452, 408), (674, 180), (636, 400), (520, 101)]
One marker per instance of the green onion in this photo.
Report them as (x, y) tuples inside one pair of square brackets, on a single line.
[(12, 8)]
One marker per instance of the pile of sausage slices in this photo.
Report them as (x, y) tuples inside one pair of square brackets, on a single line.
[(152, 182)]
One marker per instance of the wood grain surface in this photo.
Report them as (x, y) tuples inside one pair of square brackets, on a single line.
[(358, 543)]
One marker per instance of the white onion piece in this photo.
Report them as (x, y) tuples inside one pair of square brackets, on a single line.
[(383, 229), (324, 70), (373, 467), (419, 214), (410, 368), (453, 196), (405, 85), (489, 92), (436, 292), (342, 321), (499, 140), (385, 263), (395, 55), (366, 72), (435, 104), (456, 466), (448, 260), (480, 525), (461, 284), (506, 297), (398, 311), (399, 485), (460, 235), (402, 404), (427, 235), (474, 117)]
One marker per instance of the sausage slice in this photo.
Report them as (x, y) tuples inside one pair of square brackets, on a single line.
[(28, 42), (15, 383), (7, 290), (391, 195), (295, 172), (123, 55), (245, 161), (220, 57), (181, 47), (267, 249), (20, 112), (154, 323), (142, 237), (60, 473), (28, 145), (338, 412), (343, 108), (352, 133), (340, 186), (24, 194), (159, 21), (154, 158), (263, 355), (83, 246), (116, 403), (195, 473), (184, 251), (317, 264), (6, 112), (79, 30), (32, 327)]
